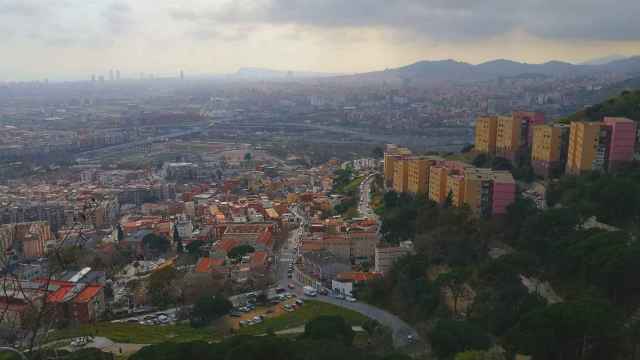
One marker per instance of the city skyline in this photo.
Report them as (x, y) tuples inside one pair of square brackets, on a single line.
[(80, 38)]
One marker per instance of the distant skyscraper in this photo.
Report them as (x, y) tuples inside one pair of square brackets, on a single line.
[(93, 78), (111, 75), (181, 74), (117, 74), (101, 78)]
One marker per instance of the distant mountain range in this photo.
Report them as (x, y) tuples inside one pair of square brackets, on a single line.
[(432, 72), (604, 60)]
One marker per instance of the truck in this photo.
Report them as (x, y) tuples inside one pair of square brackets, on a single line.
[(310, 291)]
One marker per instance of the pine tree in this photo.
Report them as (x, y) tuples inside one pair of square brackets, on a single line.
[(177, 239)]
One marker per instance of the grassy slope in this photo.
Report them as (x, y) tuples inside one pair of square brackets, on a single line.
[(144, 334), (138, 334), (308, 311)]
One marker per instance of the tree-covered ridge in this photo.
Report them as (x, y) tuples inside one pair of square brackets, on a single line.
[(323, 338), (468, 274), (627, 104)]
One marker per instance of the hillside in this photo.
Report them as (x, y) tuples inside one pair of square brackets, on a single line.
[(430, 72), (627, 104)]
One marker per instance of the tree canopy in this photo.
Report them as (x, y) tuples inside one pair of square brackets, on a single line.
[(207, 308), (240, 251)]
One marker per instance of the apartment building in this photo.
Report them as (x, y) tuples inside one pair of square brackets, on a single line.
[(528, 120), (455, 187), (508, 137), (623, 141), (392, 153), (387, 255), (549, 148), (26, 240), (401, 175), (485, 137), (438, 183), (488, 192), (588, 147)]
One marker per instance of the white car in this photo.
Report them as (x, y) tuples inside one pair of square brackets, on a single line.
[(350, 298)]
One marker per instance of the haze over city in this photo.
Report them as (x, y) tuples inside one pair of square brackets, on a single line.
[(319, 179), (71, 39)]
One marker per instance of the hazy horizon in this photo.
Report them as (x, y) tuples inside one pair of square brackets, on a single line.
[(72, 39)]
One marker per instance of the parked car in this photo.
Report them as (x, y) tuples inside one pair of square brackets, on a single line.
[(291, 286), (350, 298), (243, 323), (300, 302)]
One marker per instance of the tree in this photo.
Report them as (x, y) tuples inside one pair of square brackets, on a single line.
[(453, 282), (119, 233), (194, 247), (161, 287), (448, 202), (467, 148), (156, 243), (453, 336), (177, 239), (207, 309), (481, 160), (500, 163), (378, 152), (240, 251), (491, 354), (330, 328), (582, 329), (248, 156)]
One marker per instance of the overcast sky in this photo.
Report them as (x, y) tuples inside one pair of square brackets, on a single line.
[(73, 39)]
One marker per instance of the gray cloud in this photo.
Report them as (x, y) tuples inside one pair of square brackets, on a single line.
[(118, 18), (441, 19)]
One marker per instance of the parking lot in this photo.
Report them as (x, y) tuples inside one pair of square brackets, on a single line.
[(252, 314), (159, 318)]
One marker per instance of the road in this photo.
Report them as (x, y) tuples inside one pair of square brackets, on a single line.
[(364, 206), (288, 252), (151, 140)]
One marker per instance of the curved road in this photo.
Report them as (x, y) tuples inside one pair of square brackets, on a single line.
[(400, 329)]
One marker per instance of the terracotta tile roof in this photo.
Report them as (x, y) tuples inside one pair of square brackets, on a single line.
[(227, 245), (357, 276), (207, 264), (258, 258), (87, 294), (266, 239)]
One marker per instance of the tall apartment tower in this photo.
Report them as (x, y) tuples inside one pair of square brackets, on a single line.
[(588, 146), (455, 187), (488, 192), (508, 137), (401, 175), (485, 139), (391, 154), (549, 149), (623, 141), (528, 120), (438, 183), (419, 167)]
